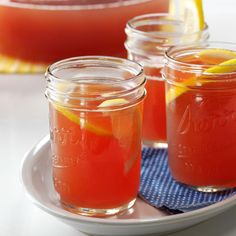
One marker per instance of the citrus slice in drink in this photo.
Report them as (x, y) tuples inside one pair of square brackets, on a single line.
[(113, 102), (215, 55), (123, 124), (224, 67), (126, 128), (90, 124), (82, 121), (227, 66), (190, 12)]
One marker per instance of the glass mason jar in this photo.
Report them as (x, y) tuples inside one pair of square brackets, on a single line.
[(148, 37), (95, 109), (201, 114)]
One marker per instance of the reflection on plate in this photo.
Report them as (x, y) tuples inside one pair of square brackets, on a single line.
[(142, 219)]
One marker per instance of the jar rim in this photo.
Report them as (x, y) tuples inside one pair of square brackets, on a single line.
[(174, 63), (93, 59), (95, 79), (48, 6), (164, 19)]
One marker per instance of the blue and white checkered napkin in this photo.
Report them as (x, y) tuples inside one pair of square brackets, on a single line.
[(159, 189)]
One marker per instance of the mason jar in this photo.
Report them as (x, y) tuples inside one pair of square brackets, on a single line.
[(148, 37), (95, 110), (201, 114)]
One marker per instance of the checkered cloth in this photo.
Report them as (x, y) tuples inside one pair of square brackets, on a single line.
[(159, 189)]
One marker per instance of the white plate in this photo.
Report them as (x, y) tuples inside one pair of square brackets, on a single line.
[(142, 219)]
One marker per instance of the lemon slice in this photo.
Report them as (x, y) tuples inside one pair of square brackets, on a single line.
[(216, 55), (11, 65), (190, 12), (81, 122), (113, 102), (224, 67), (175, 92)]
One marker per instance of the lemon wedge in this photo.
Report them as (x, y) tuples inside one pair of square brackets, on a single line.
[(81, 121), (216, 55), (224, 67), (12, 65), (113, 102), (175, 92), (227, 66), (190, 12)]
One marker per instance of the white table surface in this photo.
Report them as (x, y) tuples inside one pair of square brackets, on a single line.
[(24, 120)]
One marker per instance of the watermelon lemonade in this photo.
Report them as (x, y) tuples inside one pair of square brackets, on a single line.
[(148, 37), (95, 126), (50, 30), (201, 115)]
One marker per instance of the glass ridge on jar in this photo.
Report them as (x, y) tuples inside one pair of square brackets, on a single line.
[(95, 109), (148, 37)]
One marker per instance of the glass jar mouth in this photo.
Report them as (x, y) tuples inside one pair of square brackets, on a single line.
[(158, 27), (91, 80), (88, 61), (173, 54), (68, 4)]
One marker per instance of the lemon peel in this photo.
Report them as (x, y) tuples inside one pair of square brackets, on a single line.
[(85, 124), (228, 66), (216, 55), (113, 102), (224, 67), (190, 12), (81, 121)]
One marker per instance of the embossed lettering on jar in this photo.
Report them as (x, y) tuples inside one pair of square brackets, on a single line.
[(95, 107), (201, 116)]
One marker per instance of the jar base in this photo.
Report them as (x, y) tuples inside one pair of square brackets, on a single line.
[(155, 144), (207, 189), (97, 212)]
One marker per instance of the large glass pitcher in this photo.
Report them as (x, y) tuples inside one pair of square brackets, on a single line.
[(48, 30)]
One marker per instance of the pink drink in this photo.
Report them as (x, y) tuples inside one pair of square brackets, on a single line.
[(45, 31)]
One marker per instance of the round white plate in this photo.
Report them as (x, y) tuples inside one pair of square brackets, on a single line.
[(142, 219)]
